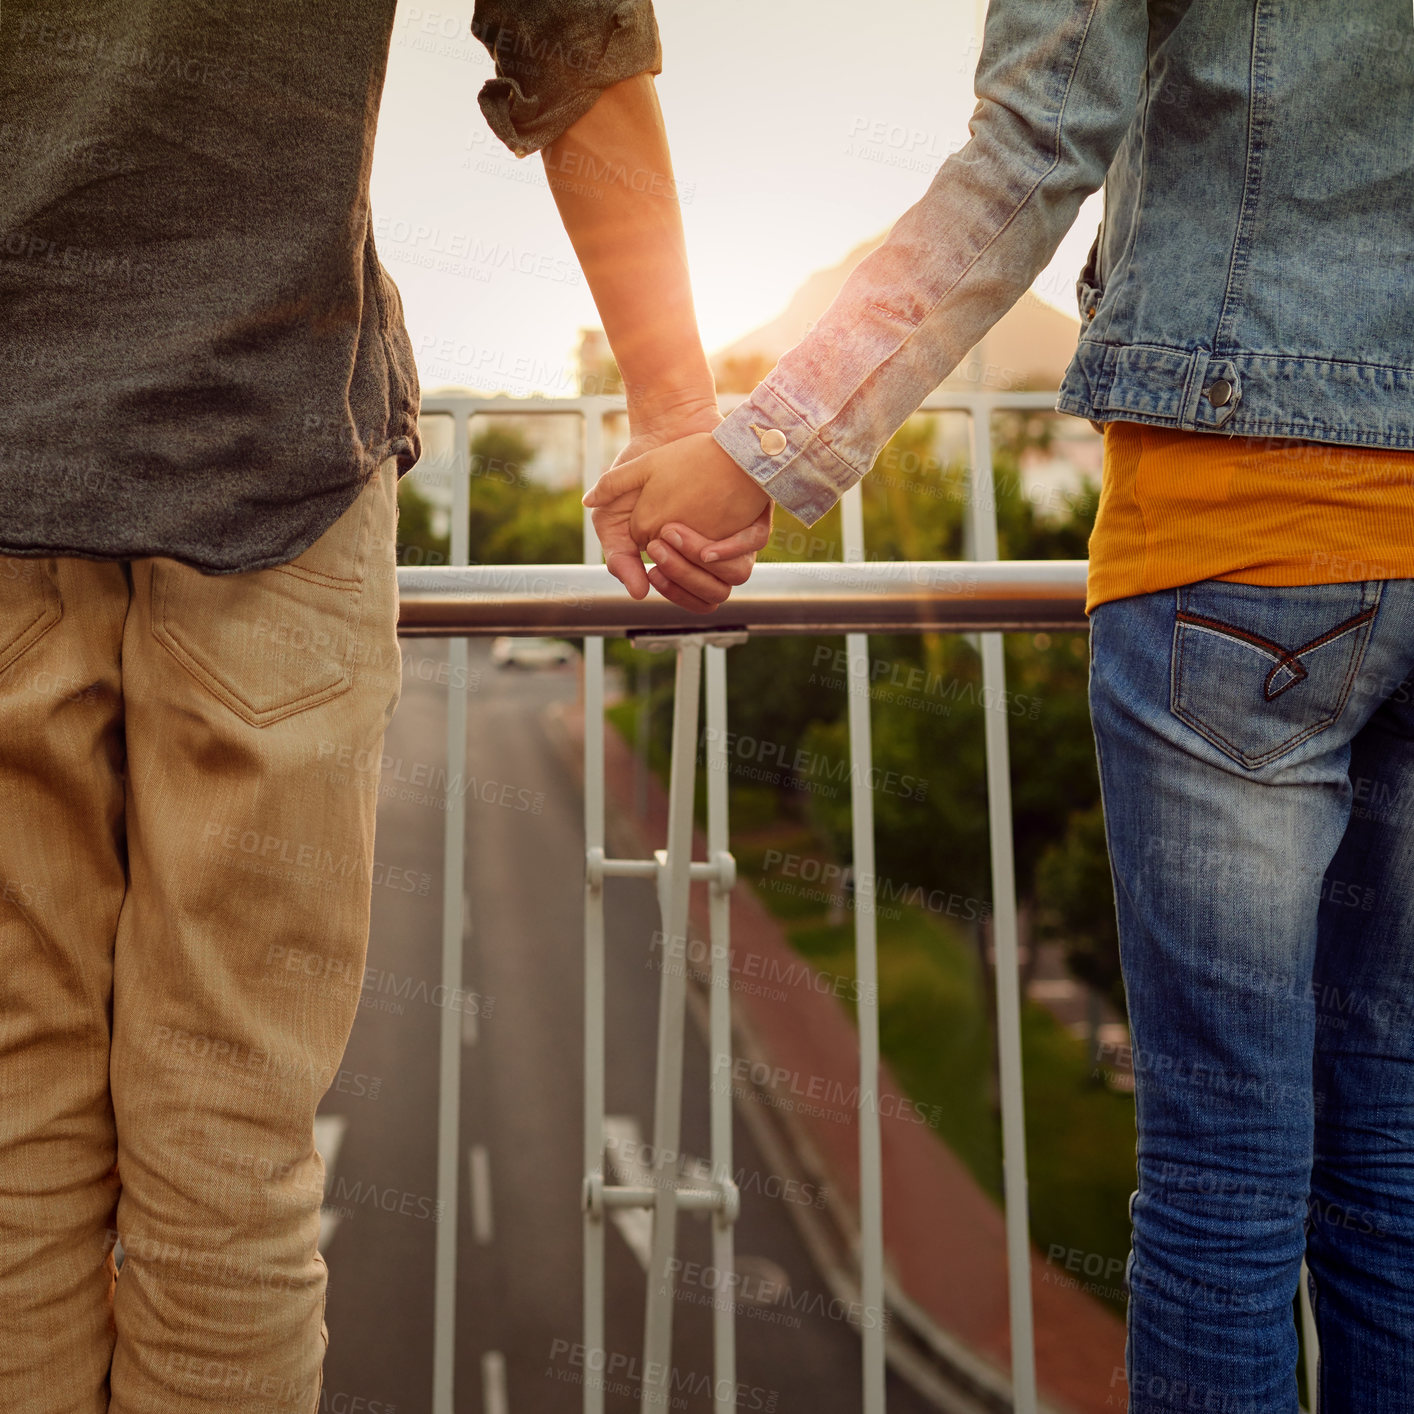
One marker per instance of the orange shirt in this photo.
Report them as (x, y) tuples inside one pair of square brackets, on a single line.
[(1177, 507)]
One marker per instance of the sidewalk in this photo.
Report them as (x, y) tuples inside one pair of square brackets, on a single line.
[(944, 1237)]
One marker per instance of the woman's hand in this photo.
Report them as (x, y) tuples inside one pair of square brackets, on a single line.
[(678, 553)]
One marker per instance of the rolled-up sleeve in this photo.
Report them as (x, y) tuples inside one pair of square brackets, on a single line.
[(1058, 85), (555, 57)]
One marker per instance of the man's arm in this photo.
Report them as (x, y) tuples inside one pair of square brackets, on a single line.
[(601, 134), (612, 178)]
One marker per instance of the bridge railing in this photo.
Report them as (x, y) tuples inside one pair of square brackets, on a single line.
[(856, 597)]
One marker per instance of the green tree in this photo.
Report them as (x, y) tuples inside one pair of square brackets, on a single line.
[(513, 519), (740, 373), (501, 455), (1075, 894), (417, 544), (547, 529)]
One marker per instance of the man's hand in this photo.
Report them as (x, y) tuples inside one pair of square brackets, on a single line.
[(692, 481), (657, 427), (678, 573), (695, 485)]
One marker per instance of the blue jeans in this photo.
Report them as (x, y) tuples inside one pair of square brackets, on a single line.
[(1256, 752)]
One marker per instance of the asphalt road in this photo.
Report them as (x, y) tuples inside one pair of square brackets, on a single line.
[(518, 1213)]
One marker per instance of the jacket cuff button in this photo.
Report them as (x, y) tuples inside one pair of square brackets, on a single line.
[(1220, 394)]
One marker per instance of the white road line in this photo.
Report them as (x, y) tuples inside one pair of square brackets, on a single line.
[(329, 1133), (328, 1137), (470, 1030), (480, 1193), (623, 1146), (494, 1398), (623, 1143)]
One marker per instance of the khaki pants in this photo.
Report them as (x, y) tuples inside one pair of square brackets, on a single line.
[(172, 835)]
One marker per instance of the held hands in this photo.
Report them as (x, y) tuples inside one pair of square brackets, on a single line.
[(691, 506)]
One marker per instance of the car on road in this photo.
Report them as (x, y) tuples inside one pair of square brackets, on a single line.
[(532, 652)]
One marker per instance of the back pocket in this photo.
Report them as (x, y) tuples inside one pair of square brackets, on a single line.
[(1258, 670), (29, 605), (270, 643)]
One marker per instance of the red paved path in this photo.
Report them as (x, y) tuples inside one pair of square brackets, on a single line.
[(943, 1236)]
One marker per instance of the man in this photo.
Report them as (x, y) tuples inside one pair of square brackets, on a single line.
[(1252, 615), (208, 399)]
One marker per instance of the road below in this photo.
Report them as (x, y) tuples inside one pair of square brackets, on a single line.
[(521, 1019)]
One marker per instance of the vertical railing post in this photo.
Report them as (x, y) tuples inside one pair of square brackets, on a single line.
[(871, 1201), (594, 1088), (444, 1301), (983, 507), (720, 1029), (674, 880)]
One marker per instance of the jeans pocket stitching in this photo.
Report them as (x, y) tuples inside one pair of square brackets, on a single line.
[(1185, 618), (311, 576), (1288, 658), (352, 588)]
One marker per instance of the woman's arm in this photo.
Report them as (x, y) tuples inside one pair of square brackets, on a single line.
[(1058, 84)]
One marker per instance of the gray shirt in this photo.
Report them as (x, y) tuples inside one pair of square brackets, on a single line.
[(200, 354)]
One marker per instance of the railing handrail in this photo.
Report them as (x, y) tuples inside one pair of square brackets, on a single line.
[(877, 596)]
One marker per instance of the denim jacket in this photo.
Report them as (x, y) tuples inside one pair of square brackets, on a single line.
[(1254, 272)]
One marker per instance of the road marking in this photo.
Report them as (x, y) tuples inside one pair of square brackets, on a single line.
[(481, 1194), (328, 1136), (470, 1030), (494, 1398), (623, 1144)]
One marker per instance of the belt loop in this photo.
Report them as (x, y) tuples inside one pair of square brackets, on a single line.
[(1193, 389)]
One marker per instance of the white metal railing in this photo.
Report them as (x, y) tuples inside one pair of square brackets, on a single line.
[(906, 596), (854, 597)]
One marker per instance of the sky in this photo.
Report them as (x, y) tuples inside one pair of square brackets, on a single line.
[(798, 129)]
